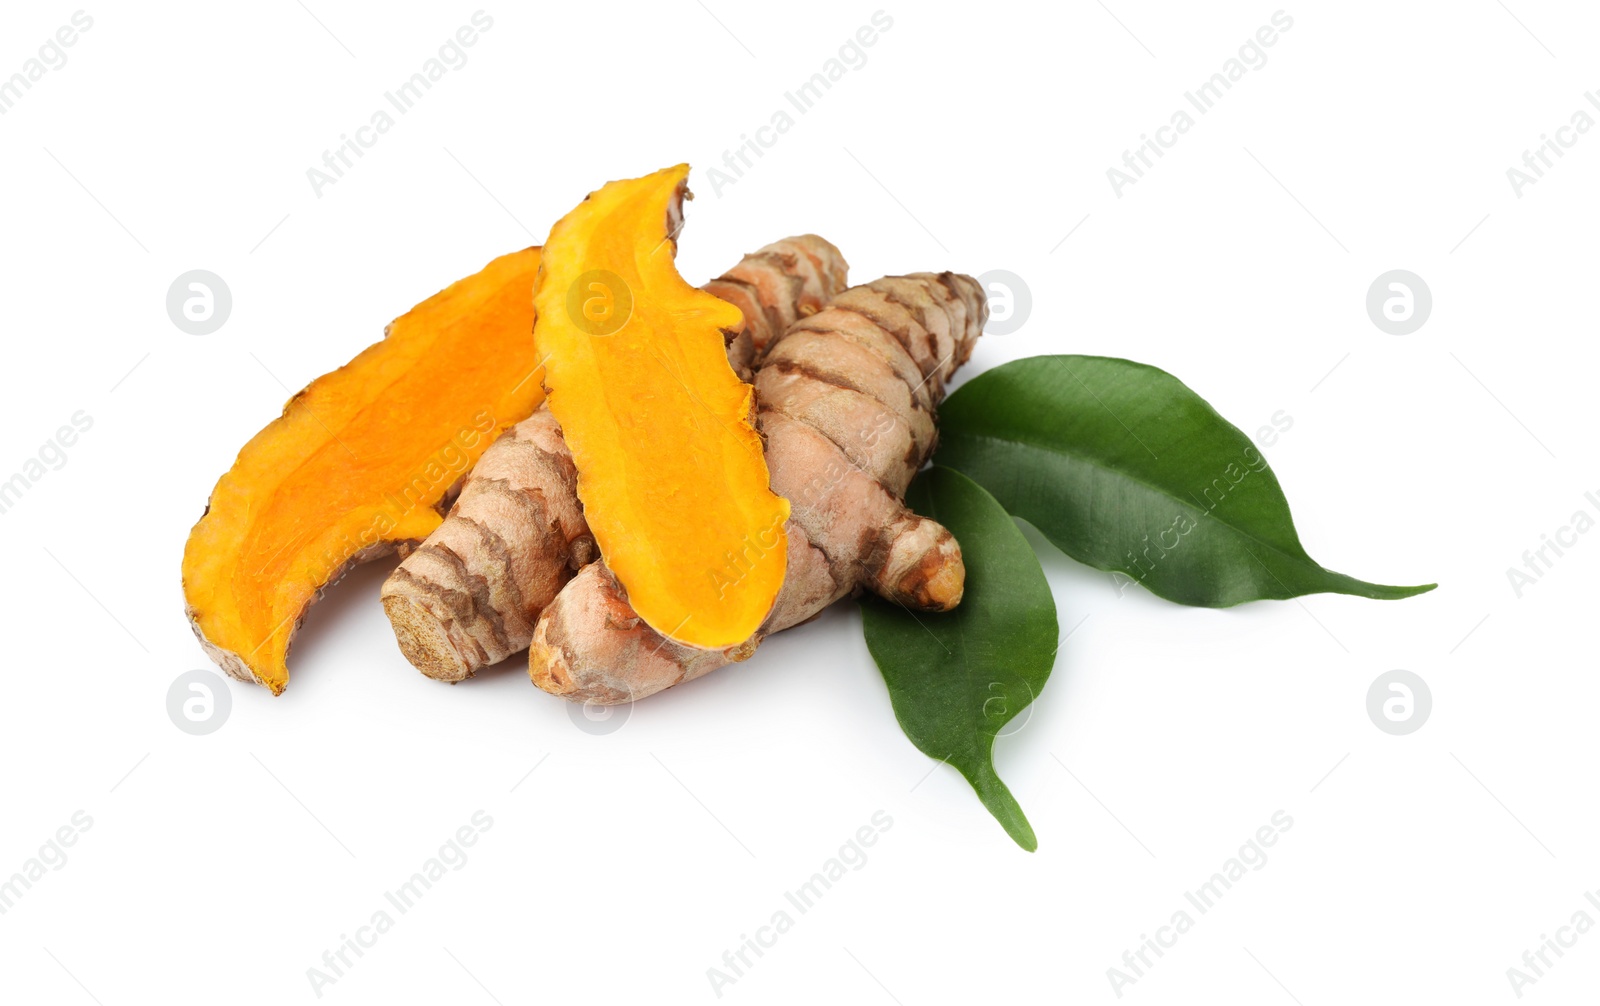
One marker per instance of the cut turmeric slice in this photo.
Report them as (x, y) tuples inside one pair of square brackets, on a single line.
[(671, 471), (359, 464)]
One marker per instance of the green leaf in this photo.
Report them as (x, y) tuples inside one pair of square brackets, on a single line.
[(1126, 469), (957, 679)]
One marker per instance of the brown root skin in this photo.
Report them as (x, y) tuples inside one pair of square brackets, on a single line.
[(774, 287), (470, 595), (847, 400), (642, 665)]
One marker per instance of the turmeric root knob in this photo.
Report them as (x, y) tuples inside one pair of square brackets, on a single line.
[(922, 566), (847, 401)]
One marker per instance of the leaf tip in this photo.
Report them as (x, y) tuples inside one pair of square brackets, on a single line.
[(1017, 826), (1383, 592), (997, 799)]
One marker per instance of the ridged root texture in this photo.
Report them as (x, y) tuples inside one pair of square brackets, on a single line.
[(847, 406)]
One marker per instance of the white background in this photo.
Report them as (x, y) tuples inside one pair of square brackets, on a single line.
[(976, 137)]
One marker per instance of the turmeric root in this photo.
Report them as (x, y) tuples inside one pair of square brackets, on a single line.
[(359, 465), (469, 596), (670, 467), (847, 401)]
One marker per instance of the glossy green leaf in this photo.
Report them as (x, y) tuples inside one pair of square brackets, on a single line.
[(957, 679), (1125, 468)]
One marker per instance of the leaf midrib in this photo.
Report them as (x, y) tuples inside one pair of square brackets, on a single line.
[(979, 756), (975, 754)]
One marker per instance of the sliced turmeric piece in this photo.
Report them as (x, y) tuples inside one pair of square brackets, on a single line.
[(359, 464), (671, 472)]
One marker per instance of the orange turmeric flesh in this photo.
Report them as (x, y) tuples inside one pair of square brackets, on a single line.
[(359, 464), (671, 471)]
